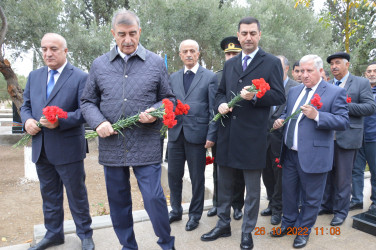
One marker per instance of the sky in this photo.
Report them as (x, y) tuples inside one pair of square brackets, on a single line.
[(24, 64)]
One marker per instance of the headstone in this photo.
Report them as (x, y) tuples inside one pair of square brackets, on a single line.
[(17, 127), (30, 168), (365, 222)]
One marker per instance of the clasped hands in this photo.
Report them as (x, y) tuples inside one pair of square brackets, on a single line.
[(105, 129)]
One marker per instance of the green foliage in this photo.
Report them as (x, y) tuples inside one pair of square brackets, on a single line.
[(3, 86), (292, 32), (166, 23), (362, 27)]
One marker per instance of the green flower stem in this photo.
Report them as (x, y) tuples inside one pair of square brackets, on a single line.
[(25, 139), (233, 102), (131, 121)]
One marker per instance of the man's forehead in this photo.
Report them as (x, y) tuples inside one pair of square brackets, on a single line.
[(371, 67), (188, 46), (248, 27)]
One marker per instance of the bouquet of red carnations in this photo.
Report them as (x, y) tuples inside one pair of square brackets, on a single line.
[(51, 113), (209, 159), (259, 86), (165, 112)]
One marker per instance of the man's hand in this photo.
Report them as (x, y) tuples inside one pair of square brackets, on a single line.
[(278, 123), (48, 124), (245, 94), (105, 129), (31, 127), (209, 144), (146, 118), (309, 111), (224, 109)]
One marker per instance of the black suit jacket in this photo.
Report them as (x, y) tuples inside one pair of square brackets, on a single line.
[(242, 139)]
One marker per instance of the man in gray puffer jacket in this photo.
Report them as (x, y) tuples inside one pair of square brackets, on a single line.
[(127, 80)]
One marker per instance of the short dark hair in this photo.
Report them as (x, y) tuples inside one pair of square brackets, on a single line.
[(249, 20), (295, 64)]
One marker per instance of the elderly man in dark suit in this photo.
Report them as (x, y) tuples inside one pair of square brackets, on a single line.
[(346, 143), (272, 174), (59, 148), (307, 152), (193, 134), (241, 140)]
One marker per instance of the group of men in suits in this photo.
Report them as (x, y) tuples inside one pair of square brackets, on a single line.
[(317, 147)]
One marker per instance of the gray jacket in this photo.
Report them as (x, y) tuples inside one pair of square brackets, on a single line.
[(362, 104), (116, 89)]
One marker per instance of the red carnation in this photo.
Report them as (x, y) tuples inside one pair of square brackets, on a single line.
[(315, 101), (279, 166), (181, 109), (209, 160), (277, 160), (261, 86), (348, 99), (51, 113)]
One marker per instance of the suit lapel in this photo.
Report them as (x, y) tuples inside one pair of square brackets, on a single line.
[(179, 83), (195, 81), (348, 82), (293, 98), (44, 83), (67, 72), (238, 65), (254, 63)]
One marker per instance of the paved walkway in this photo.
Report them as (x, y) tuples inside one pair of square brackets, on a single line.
[(105, 238)]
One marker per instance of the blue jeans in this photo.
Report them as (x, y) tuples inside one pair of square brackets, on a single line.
[(367, 153)]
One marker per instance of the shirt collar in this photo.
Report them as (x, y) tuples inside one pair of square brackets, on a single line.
[(252, 55), (194, 69), (59, 70), (343, 79), (140, 52)]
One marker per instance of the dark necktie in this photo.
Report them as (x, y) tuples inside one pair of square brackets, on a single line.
[(51, 82), (291, 129), (338, 83), (245, 62), (187, 80)]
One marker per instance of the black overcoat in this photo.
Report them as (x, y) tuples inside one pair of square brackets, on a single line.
[(242, 138)]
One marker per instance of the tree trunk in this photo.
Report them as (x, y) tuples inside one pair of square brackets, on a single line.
[(14, 90)]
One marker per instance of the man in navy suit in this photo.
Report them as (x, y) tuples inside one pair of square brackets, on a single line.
[(307, 151), (58, 149), (193, 134), (346, 144)]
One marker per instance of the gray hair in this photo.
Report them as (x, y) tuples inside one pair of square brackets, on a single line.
[(59, 37), (316, 60), (191, 42), (127, 17), (285, 60)]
